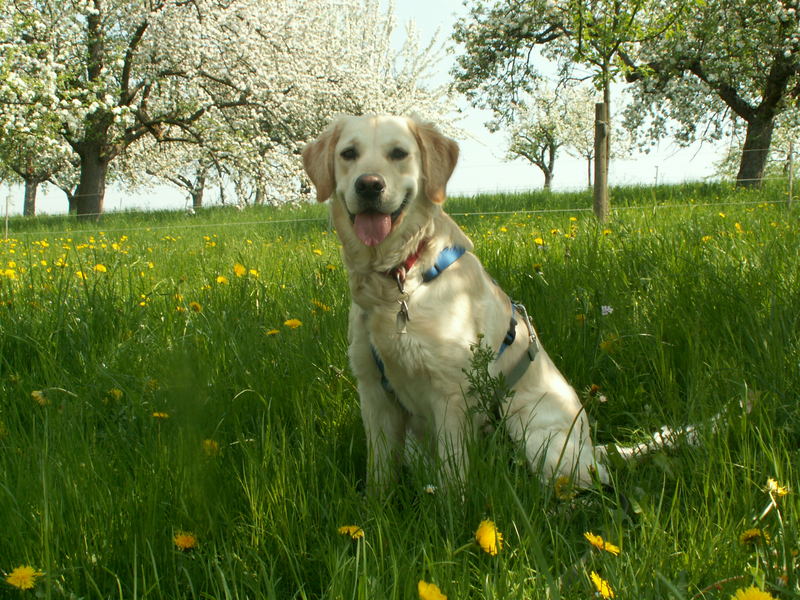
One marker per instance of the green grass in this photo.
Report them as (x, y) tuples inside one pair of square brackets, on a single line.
[(93, 486)]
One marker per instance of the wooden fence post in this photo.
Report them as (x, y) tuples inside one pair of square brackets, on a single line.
[(791, 173), (601, 161)]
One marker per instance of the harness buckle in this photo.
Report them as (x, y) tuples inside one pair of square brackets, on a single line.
[(533, 343)]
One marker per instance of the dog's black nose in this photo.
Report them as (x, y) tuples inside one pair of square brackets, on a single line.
[(370, 186)]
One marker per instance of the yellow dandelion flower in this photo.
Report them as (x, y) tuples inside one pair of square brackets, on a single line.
[(320, 305), (429, 591), (100, 268), (752, 593), (538, 241), (775, 489), (196, 306), (185, 541), (599, 543), (504, 229), (354, 531), (738, 227), (115, 394), (10, 273), (292, 323), (573, 219), (607, 232), (23, 577), (273, 332), (80, 275), (210, 447), (722, 214), (160, 415), (609, 345), (253, 272), (489, 538), (563, 488), (222, 280), (239, 270), (39, 397), (317, 251), (753, 536), (601, 585), (706, 238)]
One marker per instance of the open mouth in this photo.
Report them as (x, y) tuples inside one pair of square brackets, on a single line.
[(372, 226)]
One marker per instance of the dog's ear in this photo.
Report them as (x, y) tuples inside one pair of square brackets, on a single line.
[(439, 158), (318, 162)]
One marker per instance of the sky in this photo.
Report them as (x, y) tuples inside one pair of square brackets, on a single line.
[(483, 166)]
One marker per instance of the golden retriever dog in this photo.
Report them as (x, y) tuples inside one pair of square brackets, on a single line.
[(421, 301)]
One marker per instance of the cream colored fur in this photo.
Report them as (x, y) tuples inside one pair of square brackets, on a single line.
[(448, 315)]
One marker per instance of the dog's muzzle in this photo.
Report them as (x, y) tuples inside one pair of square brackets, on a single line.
[(372, 224)]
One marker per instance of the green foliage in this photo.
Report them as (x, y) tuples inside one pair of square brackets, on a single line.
[(176, 392)]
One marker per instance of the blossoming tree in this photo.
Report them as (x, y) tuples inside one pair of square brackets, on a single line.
[(258, 77), (549, 120), (737, 58)]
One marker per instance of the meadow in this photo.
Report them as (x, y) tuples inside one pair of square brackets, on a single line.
[(177, 417)]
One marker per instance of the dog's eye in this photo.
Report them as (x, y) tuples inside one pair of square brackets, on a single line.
[(398, 154), (349, 154)]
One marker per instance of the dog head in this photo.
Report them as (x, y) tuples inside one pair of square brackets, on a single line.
[(379, 167)]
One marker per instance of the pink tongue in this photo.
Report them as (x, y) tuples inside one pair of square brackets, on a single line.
[(372, 227)]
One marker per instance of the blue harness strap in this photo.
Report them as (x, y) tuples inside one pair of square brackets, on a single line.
[(446, 258), (379, 363)]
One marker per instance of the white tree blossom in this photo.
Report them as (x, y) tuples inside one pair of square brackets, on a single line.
[(244, 80)]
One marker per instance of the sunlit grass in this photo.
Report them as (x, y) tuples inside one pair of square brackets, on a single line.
[(166, 375)]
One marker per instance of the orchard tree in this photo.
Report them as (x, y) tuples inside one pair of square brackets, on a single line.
[(504, 39), (731, 58), (549, 120), (30, 145), (783, 148), (273, 72)]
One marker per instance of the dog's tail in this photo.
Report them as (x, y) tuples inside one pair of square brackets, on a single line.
[(664, 438)]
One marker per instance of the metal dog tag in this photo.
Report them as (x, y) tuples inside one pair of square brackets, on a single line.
[(402, 317)]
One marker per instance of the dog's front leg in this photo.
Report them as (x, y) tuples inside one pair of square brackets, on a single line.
[(451, 432), (384, 419), (385, 427)]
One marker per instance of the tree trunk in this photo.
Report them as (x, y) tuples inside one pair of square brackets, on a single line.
[(755, 152), (589, 171), (198, 191), (261, 193), (29, 208), (72, 201), (92, 186)]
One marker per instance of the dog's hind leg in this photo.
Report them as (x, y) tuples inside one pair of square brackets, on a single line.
[(555, 446)]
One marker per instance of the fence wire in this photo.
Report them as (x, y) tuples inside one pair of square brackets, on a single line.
[(223, 225)]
